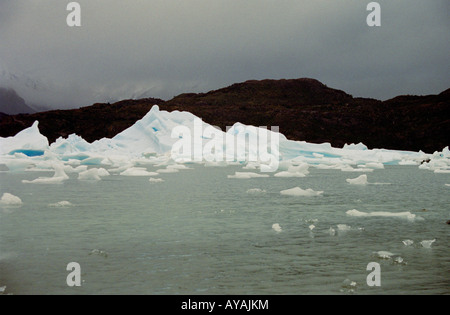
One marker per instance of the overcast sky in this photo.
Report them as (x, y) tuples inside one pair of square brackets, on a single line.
[(161, 48)]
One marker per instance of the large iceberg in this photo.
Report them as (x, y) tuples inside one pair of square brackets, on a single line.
[(162, 138)]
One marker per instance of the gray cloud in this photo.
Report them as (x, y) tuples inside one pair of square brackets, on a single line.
[(162, 48)]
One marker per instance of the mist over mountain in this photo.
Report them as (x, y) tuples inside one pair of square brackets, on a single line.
[(11, 103), (304, 109)]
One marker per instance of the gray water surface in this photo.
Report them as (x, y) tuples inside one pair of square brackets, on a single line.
[(199, 232)]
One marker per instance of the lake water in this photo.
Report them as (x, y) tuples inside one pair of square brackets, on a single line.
[(199, 232)]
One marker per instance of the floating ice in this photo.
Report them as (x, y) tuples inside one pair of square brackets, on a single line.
[(408, 242), (360, 180), (406, 215), (294, 171), (331, 231), (384, 254), (373, 165), (151, 138), (139, 171), (311, 227), (448, 185), (178, 167), (347, 283), (343, 227), (442, 171), (276, 227), (427, 243), (61, 204), (57, 178), (2, 289), (93, 174), (247, 175), (28, 141), (409, 162), (10, 200), (155, 180), (256, 191), (167, 170), (297, 191), (289, 174), (399, 260), (99, 253)]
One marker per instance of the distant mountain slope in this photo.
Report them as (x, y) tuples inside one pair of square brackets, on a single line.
[(11, 103), (304, 109)]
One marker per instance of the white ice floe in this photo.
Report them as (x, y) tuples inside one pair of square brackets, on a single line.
[(289, 174), (442, 171), (10, 200), (256, 191), (166, 171), (384, 254), (298, 192), (140, 171), (372, 165), (29, 140), (360, 180), (93, 174), (59, 177), (61, 204), (343, 227), (155, 180), (408, 242), (276, 227), (405, 215), (427, 243), (247, 175)]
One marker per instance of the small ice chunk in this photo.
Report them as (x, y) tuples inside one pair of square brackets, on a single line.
[(311, 227), (139, 171), (10, 200), (298, 192), (287, 174), (61, 204), (91, 174), (2, 289), (343, 227), (276, 227), (448, 185), (247, 175), (408, 242), (155, 180), (360, 180), (178, 167), (256, 191), (99, 253), (347, 283), (349, 286), (406, 215), (385, 254), (167, 170), (373, 165), (427, 243), (57, 178), (399, 260), (441, 171), (331, 231)]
